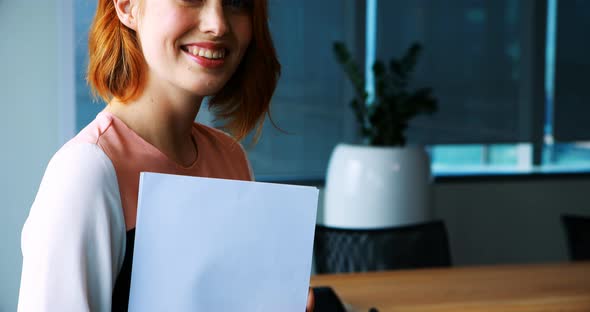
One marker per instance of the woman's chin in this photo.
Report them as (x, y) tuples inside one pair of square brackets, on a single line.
[(204, 90)]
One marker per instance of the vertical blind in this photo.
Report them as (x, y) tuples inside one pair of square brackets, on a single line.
[(572, 69), (311, 101), (474, 54)]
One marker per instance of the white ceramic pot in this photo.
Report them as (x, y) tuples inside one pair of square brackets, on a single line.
[(372, 187)]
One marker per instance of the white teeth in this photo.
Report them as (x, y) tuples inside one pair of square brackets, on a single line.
[(210, 54)]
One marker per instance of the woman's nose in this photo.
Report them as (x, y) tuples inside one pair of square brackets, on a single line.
[(212, 18)]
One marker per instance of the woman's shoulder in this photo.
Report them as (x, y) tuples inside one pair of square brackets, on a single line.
[(79, 184), (77, 164), (95, 129), (83, 154)]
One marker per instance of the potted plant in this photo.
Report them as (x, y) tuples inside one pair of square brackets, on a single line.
[(382, 182)]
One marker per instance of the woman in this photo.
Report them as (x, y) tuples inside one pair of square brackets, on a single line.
[(153, 61)]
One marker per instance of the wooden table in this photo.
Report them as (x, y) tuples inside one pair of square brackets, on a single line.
[(540, 287)]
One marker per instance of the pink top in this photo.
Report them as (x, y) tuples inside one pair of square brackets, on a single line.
[(219, 156), (77, 240)]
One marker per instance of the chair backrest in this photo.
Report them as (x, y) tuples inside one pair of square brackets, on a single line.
[(359, 250), (577, 230)]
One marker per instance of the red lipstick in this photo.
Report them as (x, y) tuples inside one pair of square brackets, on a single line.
[(203, 61)]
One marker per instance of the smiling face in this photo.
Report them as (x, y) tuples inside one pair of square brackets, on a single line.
[(194, 45)]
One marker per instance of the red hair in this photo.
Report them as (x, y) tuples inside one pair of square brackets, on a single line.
[(117, 68)]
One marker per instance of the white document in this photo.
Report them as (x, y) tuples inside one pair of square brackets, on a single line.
[(220, 245)]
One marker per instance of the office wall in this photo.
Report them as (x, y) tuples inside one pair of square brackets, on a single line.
[(509, 221), (29, 127)]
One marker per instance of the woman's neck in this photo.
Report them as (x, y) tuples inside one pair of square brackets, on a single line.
[(163, 122)]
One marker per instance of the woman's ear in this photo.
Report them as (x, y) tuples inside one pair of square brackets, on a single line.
[(127, 11)]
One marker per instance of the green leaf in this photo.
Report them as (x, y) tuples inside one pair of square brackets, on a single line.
[(385, 121)]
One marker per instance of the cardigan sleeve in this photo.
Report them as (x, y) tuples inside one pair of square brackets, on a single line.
[(73, 241)]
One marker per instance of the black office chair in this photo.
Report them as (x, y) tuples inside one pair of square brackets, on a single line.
[(577, 230), (413, 246)]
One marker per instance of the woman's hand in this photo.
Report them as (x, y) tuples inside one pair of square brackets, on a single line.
[(310, 301)]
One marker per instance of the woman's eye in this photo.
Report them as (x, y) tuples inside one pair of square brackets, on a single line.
[(242, 5), (192, 2), (238, 4)]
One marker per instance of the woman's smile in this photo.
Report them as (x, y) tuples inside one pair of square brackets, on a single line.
[(208, 55)]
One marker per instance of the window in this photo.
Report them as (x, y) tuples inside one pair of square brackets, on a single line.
[(508, 75), (566, 145)]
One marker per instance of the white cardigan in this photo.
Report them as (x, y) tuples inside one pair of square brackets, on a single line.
[(73, 241)]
